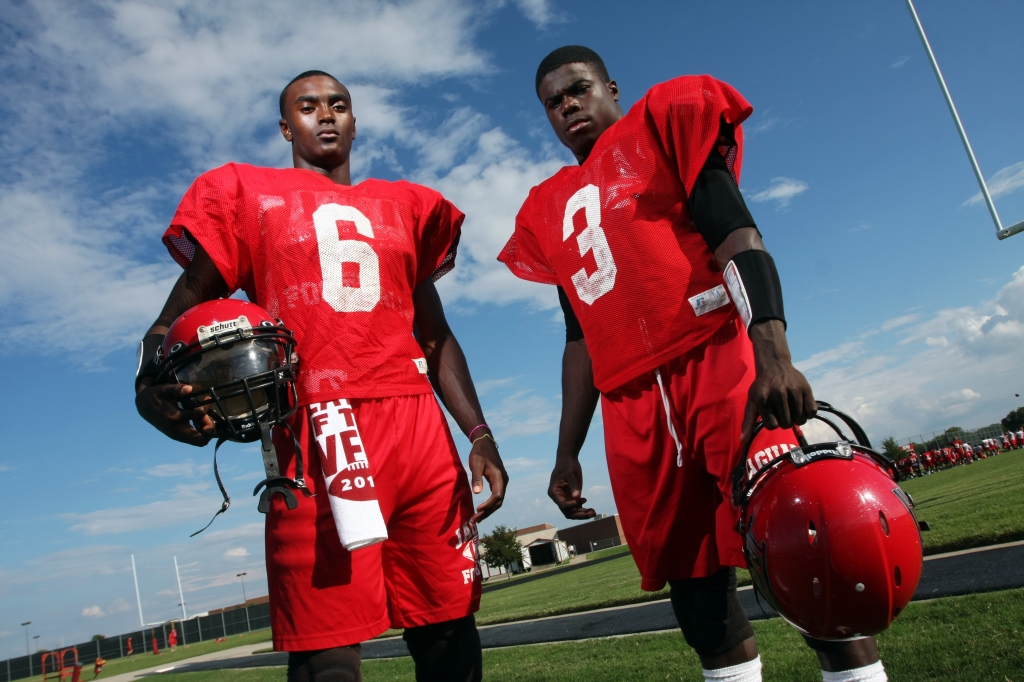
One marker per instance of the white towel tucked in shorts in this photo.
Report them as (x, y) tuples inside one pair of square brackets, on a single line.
[(350, 485)]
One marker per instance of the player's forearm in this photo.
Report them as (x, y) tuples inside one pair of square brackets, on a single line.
[(453, 382), (579, 399), (770, 344), (200, 282)]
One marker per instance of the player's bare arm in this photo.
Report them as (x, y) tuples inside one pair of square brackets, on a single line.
[(579, 400), (158, 404), (780, 394), (449, 374)]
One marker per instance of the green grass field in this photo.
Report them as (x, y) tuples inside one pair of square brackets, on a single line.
[(968, 639), (972, 506), (969, 506)]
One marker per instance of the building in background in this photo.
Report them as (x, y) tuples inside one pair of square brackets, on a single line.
[(601, 532)]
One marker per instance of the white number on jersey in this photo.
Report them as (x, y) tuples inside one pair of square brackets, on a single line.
[(334, 252), (591, 238)]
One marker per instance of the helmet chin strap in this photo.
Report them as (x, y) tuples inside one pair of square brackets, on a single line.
[(275, 483)]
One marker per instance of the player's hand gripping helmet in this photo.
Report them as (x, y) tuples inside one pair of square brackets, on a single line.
[(242, 364), (830, 538), (239, 361)]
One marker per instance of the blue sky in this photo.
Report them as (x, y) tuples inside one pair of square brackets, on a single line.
[(903, 307)]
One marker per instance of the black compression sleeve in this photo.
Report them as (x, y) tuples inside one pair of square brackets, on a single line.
[(716, 205), (573, 330)]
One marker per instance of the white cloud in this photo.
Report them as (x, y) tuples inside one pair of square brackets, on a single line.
[(206, 76), (93, 612), (517, 465), (236, 553), (781, 191), (898, 64), (1005, 181), (187, 504), (919, 373), (490, 186), (186, 469), (540, 12), (523, 414), (489, 385)]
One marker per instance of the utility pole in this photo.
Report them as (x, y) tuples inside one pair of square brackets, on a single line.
[(138, 599), (245, 601), (184, 617), (27, 649), (25, 625)]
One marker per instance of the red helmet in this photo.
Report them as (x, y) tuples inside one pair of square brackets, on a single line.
[(830, 538), (240, 361)]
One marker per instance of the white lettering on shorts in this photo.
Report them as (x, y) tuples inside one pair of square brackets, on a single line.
[(466, 538)]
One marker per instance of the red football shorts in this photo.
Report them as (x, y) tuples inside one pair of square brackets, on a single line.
[(321, 595), (674, 507)]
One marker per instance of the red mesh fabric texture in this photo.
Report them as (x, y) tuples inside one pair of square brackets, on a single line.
[(616, 234), (337, 264)]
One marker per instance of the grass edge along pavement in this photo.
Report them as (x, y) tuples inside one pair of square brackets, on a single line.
[(968, 639)]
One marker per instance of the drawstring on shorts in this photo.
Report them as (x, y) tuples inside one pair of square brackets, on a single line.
[(668, 419)]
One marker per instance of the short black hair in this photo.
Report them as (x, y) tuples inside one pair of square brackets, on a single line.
[(302, 76), (570, 54)]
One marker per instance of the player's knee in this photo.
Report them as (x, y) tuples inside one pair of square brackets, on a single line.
[(448, 651), (709, 613), (340, 664)]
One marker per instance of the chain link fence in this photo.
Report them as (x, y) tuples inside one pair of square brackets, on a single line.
[(198, 629)]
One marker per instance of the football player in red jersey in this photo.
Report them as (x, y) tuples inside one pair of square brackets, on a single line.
[(350, 269), (643, 240)]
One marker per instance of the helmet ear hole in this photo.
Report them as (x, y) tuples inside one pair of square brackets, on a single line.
[(884, 522), (812, 534), (897, 576), (816, 587)]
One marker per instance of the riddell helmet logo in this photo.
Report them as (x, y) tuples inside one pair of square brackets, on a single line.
[(208, 332)]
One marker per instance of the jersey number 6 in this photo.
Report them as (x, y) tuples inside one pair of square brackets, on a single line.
[(591, 238), (335, 252)]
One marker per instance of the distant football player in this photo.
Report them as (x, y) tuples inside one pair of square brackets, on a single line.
[(674, 320), (350, 270)]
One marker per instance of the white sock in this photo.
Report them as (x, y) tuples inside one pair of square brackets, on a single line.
[(744, 672), (869, 673)]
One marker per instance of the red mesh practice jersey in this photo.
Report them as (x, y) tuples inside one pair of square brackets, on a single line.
[(337, 264), (616, 234)]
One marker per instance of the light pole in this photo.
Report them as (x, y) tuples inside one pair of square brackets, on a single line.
[(245, 600), (36, 637), (28, 651), (181, 594), (25, 625)]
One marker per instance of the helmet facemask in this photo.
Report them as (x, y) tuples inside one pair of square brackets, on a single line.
[(245, 375)]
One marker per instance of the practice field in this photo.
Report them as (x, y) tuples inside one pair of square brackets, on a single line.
[(972, 506), (968, 639), (969, 506)]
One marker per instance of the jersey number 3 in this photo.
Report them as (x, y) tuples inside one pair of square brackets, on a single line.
[(592, 238), (340, 292)]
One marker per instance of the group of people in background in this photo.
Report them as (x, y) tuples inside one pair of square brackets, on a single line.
[(958, 453)]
